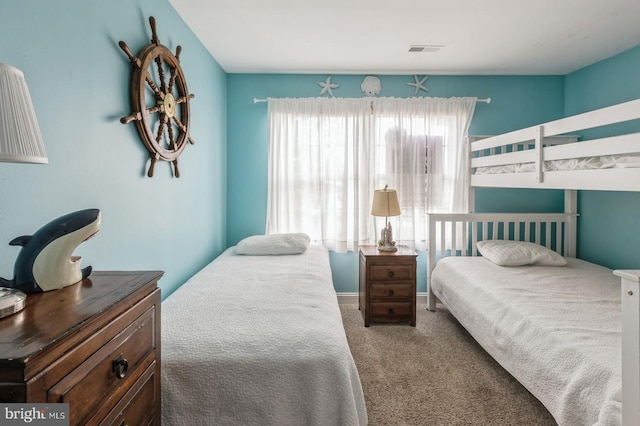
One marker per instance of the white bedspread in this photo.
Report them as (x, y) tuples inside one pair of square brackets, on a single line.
[(555, 329), (258, 340)]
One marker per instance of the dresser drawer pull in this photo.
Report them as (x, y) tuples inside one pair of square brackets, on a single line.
[(391, 313), (391, 293), (120, 367), (391, 274)]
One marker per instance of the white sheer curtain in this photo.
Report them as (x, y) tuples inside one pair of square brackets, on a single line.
[(328, 155), (426, 159)]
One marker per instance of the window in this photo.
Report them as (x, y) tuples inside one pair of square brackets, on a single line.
[(327, 156)]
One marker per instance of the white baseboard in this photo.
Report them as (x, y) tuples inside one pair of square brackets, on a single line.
[(347, 298)]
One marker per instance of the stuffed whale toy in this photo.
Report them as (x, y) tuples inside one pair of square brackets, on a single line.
[(46, 260)]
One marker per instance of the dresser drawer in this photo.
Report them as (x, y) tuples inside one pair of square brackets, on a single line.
[(390, 290), (390, 311), (401, 272), (99, 383), (138, 405)]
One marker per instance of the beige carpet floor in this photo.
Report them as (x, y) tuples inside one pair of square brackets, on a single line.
[(434, 374)]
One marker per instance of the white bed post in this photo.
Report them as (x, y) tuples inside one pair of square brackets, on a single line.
[(571, 227), (630, 289), (431, 254)]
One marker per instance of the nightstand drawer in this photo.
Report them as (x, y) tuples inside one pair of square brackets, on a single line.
[(109, 371), (389, 290), (391, 272), (390, 311)]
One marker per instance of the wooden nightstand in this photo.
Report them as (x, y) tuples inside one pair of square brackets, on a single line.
[(94, 345), (387, 285)]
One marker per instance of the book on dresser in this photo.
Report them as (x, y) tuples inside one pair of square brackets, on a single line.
[(94, 345)]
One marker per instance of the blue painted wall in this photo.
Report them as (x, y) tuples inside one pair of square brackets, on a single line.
[(517, 101), (79, 79), (608, 226)]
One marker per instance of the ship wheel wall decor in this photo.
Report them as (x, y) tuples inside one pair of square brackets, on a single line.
[(159, 101)]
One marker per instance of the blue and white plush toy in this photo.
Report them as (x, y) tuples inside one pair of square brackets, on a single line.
[(46, 260)]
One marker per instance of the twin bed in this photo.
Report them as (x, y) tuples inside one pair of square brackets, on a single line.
[(259, 340), (569, 333)]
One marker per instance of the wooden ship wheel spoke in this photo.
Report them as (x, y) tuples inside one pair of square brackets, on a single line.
[(159, 101)]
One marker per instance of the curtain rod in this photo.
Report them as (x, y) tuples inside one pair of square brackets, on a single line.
[(256, 100)]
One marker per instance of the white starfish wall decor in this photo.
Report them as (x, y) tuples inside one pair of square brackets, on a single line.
[(328, 86), (419, 84)]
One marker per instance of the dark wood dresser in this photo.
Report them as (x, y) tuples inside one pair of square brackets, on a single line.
[(387, 285), (94, 345)]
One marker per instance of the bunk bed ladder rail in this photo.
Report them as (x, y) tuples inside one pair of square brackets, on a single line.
[(456, 234)]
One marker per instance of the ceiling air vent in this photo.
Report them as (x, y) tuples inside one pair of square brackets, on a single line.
[(425, 48)]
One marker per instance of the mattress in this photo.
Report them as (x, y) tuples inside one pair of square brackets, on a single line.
[(585, 163), (259, 340), (555, 329)]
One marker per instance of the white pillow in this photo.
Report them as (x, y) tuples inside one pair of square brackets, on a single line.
[(517, 253), (274, 244)]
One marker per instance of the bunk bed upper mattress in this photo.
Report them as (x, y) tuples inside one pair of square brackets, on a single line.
[(555, 329), (259, 340), (584, 163)]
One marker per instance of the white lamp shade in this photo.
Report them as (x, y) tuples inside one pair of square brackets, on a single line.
[(385, 203), (20, 138)]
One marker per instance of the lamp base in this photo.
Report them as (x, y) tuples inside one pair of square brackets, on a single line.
[(386, 242)]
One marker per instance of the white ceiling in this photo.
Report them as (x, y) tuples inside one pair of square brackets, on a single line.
[(479, 37)]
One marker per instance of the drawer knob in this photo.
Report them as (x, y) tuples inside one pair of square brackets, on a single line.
[(120, 366), (391, 274), (391, 293), (391, 313)]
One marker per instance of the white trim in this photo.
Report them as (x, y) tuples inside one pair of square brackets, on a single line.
[(347, 298)]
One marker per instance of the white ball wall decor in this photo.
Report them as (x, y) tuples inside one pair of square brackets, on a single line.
[(371, 86)]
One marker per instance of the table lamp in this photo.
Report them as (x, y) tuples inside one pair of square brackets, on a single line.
[(385, 203), (20, 142)]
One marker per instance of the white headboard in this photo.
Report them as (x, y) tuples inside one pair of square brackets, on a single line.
[(456, 234)]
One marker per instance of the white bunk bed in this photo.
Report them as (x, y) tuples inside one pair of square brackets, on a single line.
[(544, 157), (530, 158)]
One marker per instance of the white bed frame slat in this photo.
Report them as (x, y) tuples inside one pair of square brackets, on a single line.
[(601, 117), (595, 180), (614, 145), (526, 156)]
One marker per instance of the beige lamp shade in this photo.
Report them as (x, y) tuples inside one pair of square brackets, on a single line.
[(20, 138), (385, 203)]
